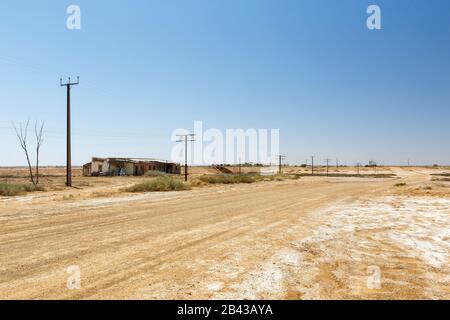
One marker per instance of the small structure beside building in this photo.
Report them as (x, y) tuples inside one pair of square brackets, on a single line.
[(128, 167)]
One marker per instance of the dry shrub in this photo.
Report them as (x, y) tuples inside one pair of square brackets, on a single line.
[(244, 178), (401, 184), (16, 189), (197, 183), (162, 183), (155, 173), (227, 179)]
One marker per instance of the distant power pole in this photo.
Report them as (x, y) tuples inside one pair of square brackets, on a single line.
[(281, 157), (68, 85), (312, 165), (240, 169), (328, 165), (337, 163), (357, 167), (186, 138)]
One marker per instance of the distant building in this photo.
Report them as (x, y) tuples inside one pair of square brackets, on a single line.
[(128, 166)]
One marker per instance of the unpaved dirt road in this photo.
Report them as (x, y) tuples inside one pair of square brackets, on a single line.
[(305, 239)]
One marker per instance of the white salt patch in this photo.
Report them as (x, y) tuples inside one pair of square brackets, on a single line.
[(215, 286), (419, 225), (288, 257)]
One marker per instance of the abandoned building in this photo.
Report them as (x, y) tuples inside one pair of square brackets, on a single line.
[(128, 167)]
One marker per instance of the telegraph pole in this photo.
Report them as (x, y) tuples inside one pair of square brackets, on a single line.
[(328, 164), (68, 85), (240, 170), (281, 157), (357, 166), (184, 138), (312, 165), (337, 163)]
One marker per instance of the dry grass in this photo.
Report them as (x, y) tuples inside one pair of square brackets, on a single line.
[(227, 179), (237, 179), (155, 173), (16, 189), (441, 174), (159, 184), (428, 189), (401, 184), (197, 183)]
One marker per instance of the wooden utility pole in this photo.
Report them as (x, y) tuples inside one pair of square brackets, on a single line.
[(328, 165), (357, 167), (312, 165), (184, 138), (68, 85), (240, 169), (280, 160)]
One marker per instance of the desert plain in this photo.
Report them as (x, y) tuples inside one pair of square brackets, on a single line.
[(313, 237)]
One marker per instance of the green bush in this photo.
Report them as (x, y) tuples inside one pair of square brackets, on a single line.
[(161, 183), (16, 189)]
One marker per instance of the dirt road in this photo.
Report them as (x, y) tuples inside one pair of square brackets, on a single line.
[(287, 240)]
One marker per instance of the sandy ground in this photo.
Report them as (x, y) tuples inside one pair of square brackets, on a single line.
[(313, 238)]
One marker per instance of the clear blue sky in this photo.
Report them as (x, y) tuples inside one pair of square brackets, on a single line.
[(310, 68)]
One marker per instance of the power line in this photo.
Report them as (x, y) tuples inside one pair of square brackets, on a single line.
[(68, 85), (184, 138)]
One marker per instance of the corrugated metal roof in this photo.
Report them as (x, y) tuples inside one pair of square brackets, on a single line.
[(134, 160)]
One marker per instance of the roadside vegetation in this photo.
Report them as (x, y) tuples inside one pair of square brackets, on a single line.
[(155, 173), (237, 179), (167, 183), (161, 183), (227, 179), (17, 189), (441, 177)]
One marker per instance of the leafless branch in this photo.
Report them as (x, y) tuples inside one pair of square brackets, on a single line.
[(22, 134)]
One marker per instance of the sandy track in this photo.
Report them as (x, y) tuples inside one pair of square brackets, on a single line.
[(241, 241)]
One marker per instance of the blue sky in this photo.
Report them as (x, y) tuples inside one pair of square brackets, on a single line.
[(309, 68)]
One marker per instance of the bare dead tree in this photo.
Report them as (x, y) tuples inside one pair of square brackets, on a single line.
[(22, 135), (39, 140)]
